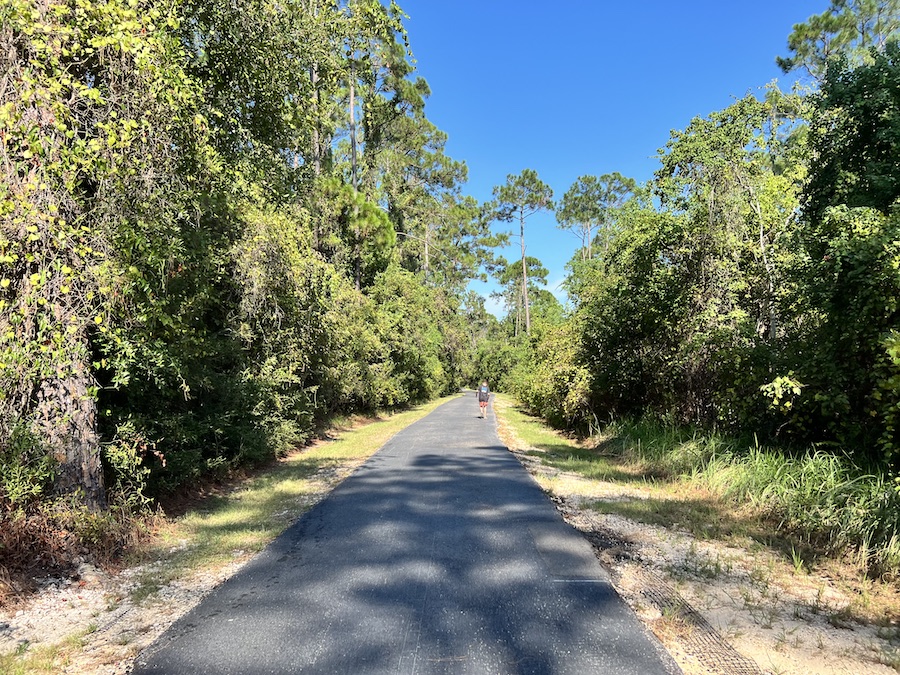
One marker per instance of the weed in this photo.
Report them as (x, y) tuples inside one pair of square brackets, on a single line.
[(786, 638), (761, 577), (732, 631), (888, 656), (698, 564), (670, 613), (25, 660), (797, 560), (820, 602), (822, 497), (76, 641), (842, 618), (761, 604), (765, 615), (820, 641), (888, 633)]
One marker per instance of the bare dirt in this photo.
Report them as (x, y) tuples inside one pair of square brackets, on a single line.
[(97, 620)]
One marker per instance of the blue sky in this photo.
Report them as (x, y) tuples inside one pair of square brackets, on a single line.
[(585, 86)]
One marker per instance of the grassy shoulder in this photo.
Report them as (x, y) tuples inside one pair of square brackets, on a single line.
[(233, 524), (812, 512)]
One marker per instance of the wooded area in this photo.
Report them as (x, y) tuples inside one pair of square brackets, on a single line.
[(750, 288), (223, 223)]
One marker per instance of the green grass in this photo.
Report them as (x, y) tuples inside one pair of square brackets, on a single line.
[(826, 500), (28, 660), (563, 453), (39, 660)]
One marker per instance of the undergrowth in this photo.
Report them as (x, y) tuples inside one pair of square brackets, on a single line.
[(824, 499), (814, 502), (53, 538)]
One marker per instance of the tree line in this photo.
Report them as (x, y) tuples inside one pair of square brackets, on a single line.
[(221, 223), (752, 285)]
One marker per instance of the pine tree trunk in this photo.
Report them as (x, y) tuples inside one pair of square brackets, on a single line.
[(357, 246), (524, 276), (66, 420)]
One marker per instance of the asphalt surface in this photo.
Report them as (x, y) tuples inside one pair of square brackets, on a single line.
[(439, 555)]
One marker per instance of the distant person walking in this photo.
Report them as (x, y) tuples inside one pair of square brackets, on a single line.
[(484, 395)]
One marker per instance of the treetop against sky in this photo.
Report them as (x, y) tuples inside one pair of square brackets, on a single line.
[(579, 88)]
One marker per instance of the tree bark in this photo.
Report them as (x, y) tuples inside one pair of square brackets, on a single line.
[(66, 420), (353, 179), (317, 100), (427, 252), (524, 275)]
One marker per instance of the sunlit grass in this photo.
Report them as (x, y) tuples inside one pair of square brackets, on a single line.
[(29, 660), (43, 660), (600, 461)]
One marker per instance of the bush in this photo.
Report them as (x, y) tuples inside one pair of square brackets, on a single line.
[(26, 469), (555, 384)]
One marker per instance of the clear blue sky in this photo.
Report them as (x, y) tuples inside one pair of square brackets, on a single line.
[(585, 86)]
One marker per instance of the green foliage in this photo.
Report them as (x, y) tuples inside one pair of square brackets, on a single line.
[(410, 335), (519, 198), (26, 470), (856, 136), (557, 385), (589, 206), (887, 394), (827, 501), (725, 306), (848, 28), (681, 310), (81, 132), (851, 293), (756, 294), (191, 275), (124, 459)]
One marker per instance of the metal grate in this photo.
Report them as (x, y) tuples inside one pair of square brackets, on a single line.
[(701, 640)]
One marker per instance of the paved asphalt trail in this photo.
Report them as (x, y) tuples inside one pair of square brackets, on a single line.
[(439, 555)]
